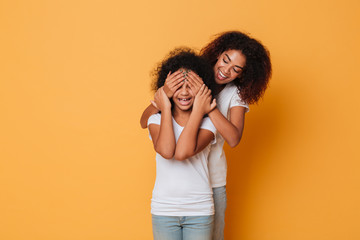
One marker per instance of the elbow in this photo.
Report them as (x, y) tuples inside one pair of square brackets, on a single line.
[(234, 142), (143, 125), (167, 154), (181, 156)]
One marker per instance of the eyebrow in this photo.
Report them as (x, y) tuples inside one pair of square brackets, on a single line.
[(230, 61)]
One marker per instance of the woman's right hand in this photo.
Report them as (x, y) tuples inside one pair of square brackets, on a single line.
[(203, 102), (161, 101), (173, 82)]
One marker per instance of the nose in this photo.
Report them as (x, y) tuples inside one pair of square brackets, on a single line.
[(227, 69), (184, 88)]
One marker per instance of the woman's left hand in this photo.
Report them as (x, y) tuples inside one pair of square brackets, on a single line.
[(195, 82)]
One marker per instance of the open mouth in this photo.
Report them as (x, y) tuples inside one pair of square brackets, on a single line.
[(184, 101), (221, 76)]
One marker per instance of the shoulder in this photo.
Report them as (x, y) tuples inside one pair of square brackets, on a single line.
[(229, 91), (230, 88), (236, 100), (208, 125), (154, 119)]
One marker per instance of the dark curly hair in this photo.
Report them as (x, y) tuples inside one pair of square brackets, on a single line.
[(256, 74), (183, 58)]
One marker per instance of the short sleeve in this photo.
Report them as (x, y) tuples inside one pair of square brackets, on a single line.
[(236, 101), (154, 119), (208, 125)]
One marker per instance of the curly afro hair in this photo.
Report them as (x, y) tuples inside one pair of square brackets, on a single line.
[(256, 74), (183, 58)]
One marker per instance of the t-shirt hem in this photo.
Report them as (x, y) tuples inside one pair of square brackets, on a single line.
[(218, 185), (182, 214)]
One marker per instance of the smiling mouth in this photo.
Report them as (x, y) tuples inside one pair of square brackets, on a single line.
[(221, 75), (184, 101)]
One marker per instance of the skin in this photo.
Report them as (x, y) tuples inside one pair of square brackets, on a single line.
[(227, 68), (188, 111)]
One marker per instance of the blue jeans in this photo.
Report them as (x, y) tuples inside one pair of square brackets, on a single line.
[(182, 228), (220, 207)]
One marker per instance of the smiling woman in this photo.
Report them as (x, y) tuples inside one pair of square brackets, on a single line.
[(229, 66), (241, 69)]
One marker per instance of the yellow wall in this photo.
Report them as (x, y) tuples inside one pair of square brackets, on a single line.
[(74, 79)]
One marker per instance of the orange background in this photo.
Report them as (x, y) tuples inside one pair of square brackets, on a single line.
[(74, 79)]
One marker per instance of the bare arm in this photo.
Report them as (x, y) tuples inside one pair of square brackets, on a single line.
[(231, 130), (172, 83), (192, 140), (163, 136), (150, 110)]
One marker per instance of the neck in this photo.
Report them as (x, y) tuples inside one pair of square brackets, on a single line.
[(181, 116)]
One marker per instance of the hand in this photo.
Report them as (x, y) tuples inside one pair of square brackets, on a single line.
[(173, 81), (154, 104), (195, 82), (203, 102), (161, 101)]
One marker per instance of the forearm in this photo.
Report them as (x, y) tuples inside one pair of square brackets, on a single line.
[(231, 134), (150, 110), (165, 143), (187, 143)]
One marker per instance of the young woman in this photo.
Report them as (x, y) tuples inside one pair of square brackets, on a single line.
[(182, 203), (242, 70)]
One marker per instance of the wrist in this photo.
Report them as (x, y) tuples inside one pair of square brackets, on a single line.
[(166, 109), (197, 112), (212, 112)]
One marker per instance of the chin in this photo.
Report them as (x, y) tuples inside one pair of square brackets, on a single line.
[(222, 82), (184, 108)]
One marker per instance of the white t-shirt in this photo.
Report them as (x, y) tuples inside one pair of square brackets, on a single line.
[(182, 188), (225, 100)]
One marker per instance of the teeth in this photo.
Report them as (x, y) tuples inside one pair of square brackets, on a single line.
[(221, 74)]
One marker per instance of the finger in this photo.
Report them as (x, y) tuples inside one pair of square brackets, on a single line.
[(191, 84), (208, 91), (178, 85), (194, 81), (213, 104), (195, 77), (174, 75), (154, 104), (201, 91), (192, 92), (176, 81)]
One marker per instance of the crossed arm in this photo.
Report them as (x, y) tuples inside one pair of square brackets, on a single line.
[(231, 130), (192, 140)]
